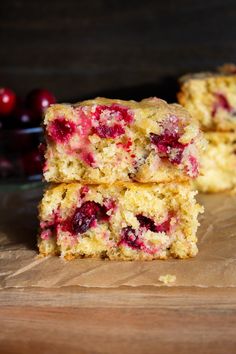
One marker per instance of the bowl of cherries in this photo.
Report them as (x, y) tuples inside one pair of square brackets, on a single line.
[(21, 133)]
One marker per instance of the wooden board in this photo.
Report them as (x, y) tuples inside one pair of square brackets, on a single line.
[(126, 320)]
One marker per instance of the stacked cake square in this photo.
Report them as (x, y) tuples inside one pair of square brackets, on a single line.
[(211, 99), (121, 177)]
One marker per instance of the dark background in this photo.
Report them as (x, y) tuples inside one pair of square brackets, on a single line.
[(126, 49)]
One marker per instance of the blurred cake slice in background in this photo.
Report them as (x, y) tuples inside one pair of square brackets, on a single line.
[(218, 163), (211, 98)]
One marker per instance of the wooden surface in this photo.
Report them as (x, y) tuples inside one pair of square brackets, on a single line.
[(128, 49), (141, 320)]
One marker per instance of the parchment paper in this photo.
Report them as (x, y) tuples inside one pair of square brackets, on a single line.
[(214, 266)]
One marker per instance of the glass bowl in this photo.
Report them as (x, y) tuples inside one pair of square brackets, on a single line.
[(20, 158)]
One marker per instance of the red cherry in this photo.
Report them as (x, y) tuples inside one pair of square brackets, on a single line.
[(39, 100), (7, 101)]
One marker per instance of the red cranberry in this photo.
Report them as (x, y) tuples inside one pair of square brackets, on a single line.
[(124, 114), (120, 113), (150, 225), (85, 216), (146, 222), (109, 132), (60, 129), (24, 118), (165, 143), (110, 204), (193, 170), (83, 191), (88, 158), (129, 237), (52, 224), (32, 163), (7, 101), (221, 103), (164, 227), (111, 120), (39, 100), (126, 145)]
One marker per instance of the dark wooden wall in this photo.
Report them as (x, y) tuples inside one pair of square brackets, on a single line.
[(127, 49)]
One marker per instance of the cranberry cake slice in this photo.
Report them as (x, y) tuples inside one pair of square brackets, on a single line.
[(211, 99), (218, 163), (128, 221), (106, 140)]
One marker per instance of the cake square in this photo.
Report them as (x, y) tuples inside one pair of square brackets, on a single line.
[(211, 99), (218, 163), (108, 141), (122, 221)]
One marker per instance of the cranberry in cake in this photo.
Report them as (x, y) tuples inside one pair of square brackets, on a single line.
[(128, 221), (105, 140)]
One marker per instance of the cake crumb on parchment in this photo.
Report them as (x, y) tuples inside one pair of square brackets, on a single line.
[(167, 279)]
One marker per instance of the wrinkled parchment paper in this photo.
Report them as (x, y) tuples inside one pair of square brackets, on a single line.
[(215, 265)]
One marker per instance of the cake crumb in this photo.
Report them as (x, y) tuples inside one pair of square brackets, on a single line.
[(167, 279)]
